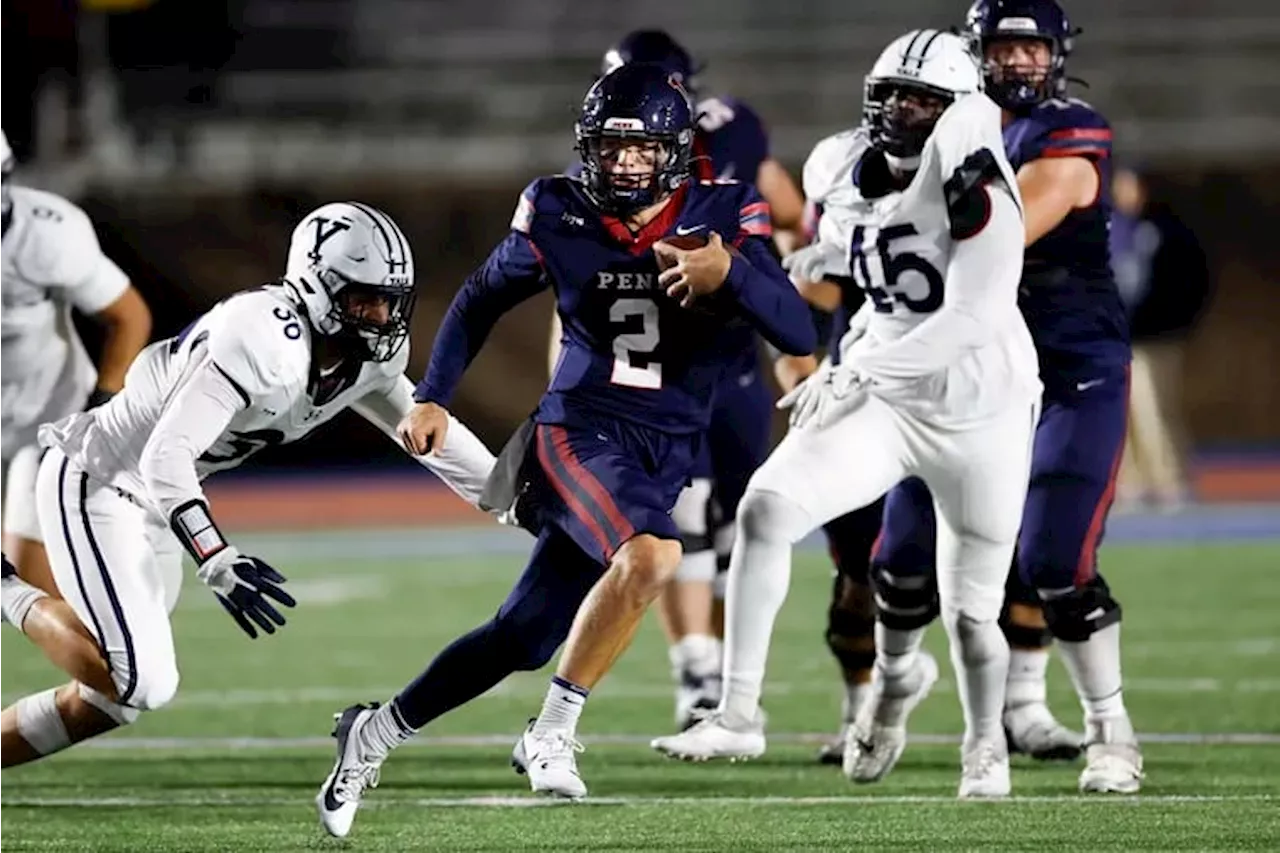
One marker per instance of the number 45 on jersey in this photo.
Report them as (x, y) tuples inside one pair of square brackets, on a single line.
[(887, 287)]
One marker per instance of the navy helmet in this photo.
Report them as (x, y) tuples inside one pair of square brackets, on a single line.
[(637, 102), (657, 47), (1044, 20)]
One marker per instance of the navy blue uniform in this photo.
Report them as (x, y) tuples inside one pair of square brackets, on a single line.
[(730, 144), (1073, 309), (620, 426)]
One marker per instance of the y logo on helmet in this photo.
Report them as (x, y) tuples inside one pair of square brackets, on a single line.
[(324, 229)]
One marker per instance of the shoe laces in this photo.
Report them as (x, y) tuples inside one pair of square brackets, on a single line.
[(557, 746), (981, 761), (354, 779)]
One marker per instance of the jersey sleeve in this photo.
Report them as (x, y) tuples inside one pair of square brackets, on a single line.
[(260, 344), (970, 156), (463, 463), (824, 163), (513, 272), (195, 415), (89, 280), (1069, 129)]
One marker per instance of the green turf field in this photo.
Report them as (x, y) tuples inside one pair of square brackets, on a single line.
[(234, 762)]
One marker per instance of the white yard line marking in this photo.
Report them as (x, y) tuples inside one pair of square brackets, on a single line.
[(505, 739), (380, 801)]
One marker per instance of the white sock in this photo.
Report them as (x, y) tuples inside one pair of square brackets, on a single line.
[(697, 654), (1026, 684), (855, 696), (759, 576), (40, 724), (1095, 671), (383, 731), (897, 652), (980, 656), (561, 708), (17, 597)]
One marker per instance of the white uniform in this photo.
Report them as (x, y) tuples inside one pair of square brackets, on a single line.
[(52, 263), (238, 380), (953, 374)]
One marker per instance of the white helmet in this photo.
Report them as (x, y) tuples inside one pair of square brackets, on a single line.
[(929, 64), (348, 249)]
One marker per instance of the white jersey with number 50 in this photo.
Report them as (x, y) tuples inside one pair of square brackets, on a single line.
[(924, 345), (52, 263), (239, 379)]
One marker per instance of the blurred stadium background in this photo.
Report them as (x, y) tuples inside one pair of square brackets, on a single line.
[(194, 133)]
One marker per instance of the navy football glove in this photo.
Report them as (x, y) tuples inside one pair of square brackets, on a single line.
[(243, 585)]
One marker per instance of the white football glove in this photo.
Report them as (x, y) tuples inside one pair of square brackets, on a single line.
[(829, 394), (243, 585), (814, 262)]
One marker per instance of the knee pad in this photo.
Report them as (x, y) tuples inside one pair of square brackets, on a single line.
[(976, 641), (121, 714), (768, 516), (155, 687), (904, 603), (40, 724), (1076, 615), (691, 514), (1022, 636), (851, 624)]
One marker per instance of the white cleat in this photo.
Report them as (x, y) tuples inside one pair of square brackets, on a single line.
[(984, 770), (550, 760), (340, 795), (1113, 761), (711, 737), (871, 749), (1031, 729)]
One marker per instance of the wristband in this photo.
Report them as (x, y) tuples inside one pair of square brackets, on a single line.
[(196, 530)]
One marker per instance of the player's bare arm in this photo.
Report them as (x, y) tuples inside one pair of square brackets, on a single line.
[(423, 430), (785, 202), (1051, 188), (127, 326)]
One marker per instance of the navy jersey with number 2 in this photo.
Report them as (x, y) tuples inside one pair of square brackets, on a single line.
[(618, 430)]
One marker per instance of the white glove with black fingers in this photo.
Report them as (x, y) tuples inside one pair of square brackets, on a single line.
[(243, 584), (829, 394), (813, 262)]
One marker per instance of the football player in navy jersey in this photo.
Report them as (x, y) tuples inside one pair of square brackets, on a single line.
[(596, 470), (1061, 149), (730, 143)]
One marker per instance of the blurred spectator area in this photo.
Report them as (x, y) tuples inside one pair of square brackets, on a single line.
[(440, 86), (205, 129)]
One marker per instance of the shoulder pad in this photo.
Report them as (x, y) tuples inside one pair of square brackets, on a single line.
[(62, 248), (1068, 128), (831, 159), (261, 342), (542, 196)]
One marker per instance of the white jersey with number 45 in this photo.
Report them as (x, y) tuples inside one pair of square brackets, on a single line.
[(925, 345), (52, 263), (170, 427)]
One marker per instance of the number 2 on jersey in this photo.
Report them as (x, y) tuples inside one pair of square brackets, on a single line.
[(892, 267), (632, 347)]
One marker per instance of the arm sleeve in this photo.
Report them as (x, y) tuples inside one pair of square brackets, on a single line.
[(463, 463), (768, 299), (192, 420), (981, 283), (512, 273)]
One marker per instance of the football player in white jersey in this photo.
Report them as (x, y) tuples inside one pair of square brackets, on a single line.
[(118, 491), (937, 379), (51, 264)]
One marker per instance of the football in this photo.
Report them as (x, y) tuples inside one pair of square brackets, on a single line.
[(685, 241)]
